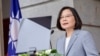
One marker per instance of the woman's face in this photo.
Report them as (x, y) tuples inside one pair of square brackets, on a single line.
[(67, 19)]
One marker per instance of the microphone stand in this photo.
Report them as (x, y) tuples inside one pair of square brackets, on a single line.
[(32, 52), (50, 40)]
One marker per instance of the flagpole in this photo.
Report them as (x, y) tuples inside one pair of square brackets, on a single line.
[(1, 31)]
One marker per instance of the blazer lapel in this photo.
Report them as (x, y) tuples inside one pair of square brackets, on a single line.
[(72, 40), (63, 45)]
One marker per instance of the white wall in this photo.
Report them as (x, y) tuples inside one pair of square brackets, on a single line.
[(89, 10), (24, 3)]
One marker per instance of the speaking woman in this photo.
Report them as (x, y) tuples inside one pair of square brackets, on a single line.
[(75, 42)]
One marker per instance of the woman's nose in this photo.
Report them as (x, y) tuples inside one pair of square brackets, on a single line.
[(64, 19)]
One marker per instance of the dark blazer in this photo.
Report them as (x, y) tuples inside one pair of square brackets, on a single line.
[(81, 44)]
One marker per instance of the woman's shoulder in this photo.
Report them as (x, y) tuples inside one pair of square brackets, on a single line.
[(83, 32)]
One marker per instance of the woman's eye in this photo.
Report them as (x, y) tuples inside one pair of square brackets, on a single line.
[(61, 17), (67, 16)]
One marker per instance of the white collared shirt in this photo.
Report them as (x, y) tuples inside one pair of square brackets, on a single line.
[(66, 43)]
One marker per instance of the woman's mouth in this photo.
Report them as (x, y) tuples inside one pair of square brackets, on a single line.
[(65, 23)]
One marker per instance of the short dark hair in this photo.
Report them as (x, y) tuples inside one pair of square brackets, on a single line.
[(78, 22)]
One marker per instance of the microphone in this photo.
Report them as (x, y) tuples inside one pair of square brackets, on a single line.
[(52, 31)]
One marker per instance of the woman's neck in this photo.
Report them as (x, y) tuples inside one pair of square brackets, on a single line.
[(69, 32)]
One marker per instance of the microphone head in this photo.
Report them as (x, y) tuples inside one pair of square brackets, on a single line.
[(52, 31)]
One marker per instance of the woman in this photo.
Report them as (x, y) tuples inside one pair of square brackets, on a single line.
[(75, 42)]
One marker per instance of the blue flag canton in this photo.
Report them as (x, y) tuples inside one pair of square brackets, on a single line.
[(15, 9)]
